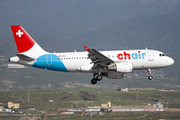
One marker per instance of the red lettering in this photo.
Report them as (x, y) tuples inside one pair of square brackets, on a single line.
[(127, 54), (120, 56)]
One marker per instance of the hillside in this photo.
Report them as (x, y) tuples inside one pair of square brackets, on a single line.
[(50, 18), (160, 32)]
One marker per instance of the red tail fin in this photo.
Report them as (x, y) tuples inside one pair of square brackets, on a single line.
[(23, 40)]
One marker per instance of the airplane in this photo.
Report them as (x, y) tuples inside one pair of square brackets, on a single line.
[(110, 64)]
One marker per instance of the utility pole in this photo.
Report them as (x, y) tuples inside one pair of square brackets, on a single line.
[(28, 95), (137, 94)]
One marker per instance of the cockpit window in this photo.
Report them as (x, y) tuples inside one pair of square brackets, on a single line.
[(162, 55)]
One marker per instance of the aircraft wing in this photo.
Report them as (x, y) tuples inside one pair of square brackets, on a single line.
[(98, 58)]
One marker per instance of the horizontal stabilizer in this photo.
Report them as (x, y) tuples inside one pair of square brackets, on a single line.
[(24, 57)]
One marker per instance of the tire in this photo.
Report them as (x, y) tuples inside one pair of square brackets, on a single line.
[(93, 81), (150, 77), (99, 77)]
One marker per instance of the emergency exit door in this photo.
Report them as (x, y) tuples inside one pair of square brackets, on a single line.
[(150, 56)]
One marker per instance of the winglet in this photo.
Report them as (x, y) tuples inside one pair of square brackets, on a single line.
[(86, 48)]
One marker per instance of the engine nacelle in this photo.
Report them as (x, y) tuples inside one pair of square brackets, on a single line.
[(115, 75), (85, 68), (122, 67)]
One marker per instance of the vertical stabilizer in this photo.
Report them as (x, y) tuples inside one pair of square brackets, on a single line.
[(25, 43)]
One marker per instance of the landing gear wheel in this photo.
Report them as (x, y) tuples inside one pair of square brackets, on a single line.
[(93, 81), (99, 77), (150, 77)]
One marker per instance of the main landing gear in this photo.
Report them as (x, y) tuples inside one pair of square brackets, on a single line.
[(149, 73), (97, 77)]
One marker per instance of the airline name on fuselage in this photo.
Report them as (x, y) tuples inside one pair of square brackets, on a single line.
[(127, 56)]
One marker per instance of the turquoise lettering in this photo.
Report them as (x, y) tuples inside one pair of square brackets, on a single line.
[(134, 56)]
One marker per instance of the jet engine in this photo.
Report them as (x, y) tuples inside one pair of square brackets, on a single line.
[(122, 67), (85, 68)]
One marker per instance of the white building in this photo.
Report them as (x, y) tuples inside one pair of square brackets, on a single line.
[(124, 89)]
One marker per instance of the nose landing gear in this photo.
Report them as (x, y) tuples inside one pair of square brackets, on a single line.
[(149, 73), (150, 77)]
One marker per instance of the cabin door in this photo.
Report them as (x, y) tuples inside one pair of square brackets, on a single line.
[(150, 56)]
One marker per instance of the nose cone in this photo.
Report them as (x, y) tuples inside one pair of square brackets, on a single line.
[(170, 61)]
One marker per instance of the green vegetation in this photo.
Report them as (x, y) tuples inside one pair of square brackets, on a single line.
[(72, 98)]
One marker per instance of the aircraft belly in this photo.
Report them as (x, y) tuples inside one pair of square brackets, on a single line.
[(140, 64), (147, 64), (73, 65)]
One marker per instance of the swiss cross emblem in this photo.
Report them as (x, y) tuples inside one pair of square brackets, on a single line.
[(19, 33)]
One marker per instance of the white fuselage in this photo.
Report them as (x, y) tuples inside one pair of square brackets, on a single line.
[(140, 59), (151, 59)]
